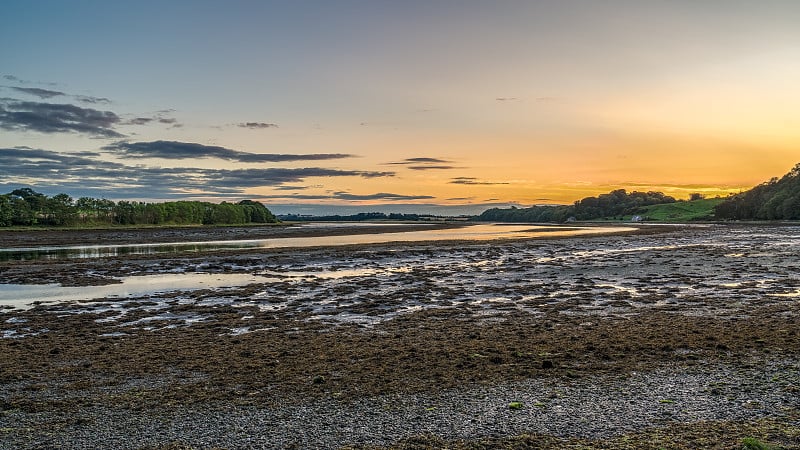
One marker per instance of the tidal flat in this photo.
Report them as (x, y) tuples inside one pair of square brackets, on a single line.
[(667, 336)]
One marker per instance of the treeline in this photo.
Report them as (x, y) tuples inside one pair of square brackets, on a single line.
[(777, 199), (351, 218), (27, 207), (605, 206)]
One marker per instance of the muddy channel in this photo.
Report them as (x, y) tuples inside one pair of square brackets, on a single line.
[(677, 337)]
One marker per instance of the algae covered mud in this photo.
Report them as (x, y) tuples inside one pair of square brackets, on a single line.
[(613, 341)]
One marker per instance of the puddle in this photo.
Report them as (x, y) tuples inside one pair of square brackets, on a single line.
[(23, 295)]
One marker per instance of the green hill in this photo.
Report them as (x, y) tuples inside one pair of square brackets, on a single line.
[(681, 211)]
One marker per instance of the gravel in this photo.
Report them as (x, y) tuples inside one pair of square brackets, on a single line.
[(591, 407)]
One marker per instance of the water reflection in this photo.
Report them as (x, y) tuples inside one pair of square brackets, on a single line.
[(470, 232), (21, 295)]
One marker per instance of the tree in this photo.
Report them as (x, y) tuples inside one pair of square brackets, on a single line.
[(5, 211), (776, 199)]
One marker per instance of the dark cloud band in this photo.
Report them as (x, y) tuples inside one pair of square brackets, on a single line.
[(189, 150), (41, 93), (72, 173), (57, 118)]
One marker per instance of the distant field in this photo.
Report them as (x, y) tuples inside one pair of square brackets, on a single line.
[(681, 211)]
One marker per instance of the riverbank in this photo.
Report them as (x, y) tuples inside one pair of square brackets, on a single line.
[(678, 339), (15, 238)]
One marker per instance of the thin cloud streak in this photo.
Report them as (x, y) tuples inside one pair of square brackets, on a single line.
[(421, 160), (38, 92), (257, 125), (189, 150), (432, 167), (471, 181), (380, 196)]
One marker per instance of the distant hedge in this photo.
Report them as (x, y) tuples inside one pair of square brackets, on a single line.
[(27, 207)]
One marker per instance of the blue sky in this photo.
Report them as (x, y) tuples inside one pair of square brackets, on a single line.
[(362, 104)]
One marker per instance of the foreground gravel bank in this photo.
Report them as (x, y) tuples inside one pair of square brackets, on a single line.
[(594, 408)]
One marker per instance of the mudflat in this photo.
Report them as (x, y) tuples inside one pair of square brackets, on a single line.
[(676, 337)]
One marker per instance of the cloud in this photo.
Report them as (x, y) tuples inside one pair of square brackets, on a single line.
[(475, 182), (438, 167), (380, 196), (41, 93), (291, 188), (139, 121), (157, 118), (420, 161), (296, 197), (256, 125), (85, 173), (91, 100), (506, 99), (188, 150), (425, 163), (57, 118)]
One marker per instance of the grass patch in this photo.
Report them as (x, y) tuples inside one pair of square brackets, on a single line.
[(686, 211), (751, 443)]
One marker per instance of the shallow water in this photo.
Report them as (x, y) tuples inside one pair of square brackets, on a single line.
[(716, 270), (20, 295), (470, 232)]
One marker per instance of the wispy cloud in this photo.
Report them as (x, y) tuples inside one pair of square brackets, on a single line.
[(291, 188), (385, 196), (432, 167), (188, 150), (506, 99), (139, 121), (92, 100), (41, 93), (257, 125), (158, 117), (475, 182), (57, 118), (422, 160), (425, 163)]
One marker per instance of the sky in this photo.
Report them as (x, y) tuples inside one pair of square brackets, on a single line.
[(450, 106)]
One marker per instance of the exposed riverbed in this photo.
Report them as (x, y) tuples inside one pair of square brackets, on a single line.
[(373, 344)]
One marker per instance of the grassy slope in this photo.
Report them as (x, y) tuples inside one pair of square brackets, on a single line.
[(682, 211)]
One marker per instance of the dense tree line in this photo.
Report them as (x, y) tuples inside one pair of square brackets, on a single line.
[(777, 199), (27, 207), (605, 206)]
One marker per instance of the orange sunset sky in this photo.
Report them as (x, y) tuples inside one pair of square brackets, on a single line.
[(377, 105)]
